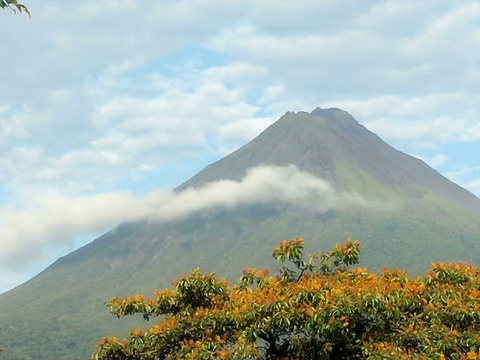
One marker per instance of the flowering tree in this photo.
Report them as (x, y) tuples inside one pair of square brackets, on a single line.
[(315, 309)]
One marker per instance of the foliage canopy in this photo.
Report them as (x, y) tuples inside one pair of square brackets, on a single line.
[(316, 309), (15, 6)]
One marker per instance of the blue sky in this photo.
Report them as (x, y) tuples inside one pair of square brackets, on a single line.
[(106, 104)]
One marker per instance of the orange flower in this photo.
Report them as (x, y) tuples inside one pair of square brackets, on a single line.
[(262, 273), (298, 241), (471, 355)]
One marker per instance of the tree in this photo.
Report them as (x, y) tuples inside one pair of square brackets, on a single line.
[(15, 6), (316, 309)]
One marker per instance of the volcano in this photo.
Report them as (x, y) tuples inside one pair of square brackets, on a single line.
[(319, 175)]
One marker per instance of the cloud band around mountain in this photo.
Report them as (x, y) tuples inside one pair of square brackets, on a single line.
[(41, 229)]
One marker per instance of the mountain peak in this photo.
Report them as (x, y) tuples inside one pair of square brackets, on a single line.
[(331, 112), (331, 145)]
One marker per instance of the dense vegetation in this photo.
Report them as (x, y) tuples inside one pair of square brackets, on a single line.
[(316, 309)]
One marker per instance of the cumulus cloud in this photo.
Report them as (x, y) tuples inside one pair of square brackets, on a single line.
[(127, 133), (415, 122)]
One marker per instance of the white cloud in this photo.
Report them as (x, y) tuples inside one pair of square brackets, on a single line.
[(420, 121), (474, 187), (446, 28), (377, 51), (260, 185), (436, 161), (57, 220), (241, 75), (129, 132)]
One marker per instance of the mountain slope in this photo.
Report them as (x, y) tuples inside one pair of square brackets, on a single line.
[(404, 213)]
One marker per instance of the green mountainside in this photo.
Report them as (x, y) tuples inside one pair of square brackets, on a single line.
[(404, 213)]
